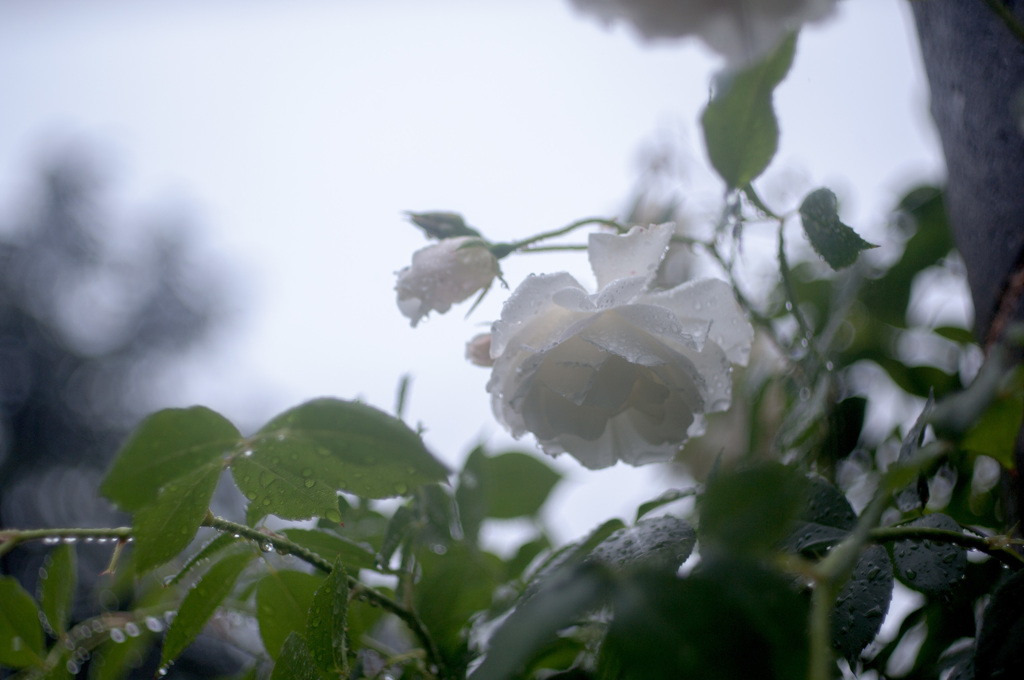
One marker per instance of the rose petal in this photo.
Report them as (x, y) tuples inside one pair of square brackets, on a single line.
[(713, 300), (532, 299), (636, 253)]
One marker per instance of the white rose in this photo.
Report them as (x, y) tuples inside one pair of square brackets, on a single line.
[(741, 30), (623, 374), (443, 274)]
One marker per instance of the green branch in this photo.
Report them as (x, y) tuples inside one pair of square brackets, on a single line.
[(12, 538), (501, 250), (989, 546), (358, 590)]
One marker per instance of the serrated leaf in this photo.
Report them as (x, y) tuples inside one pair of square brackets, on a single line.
[(558, 604), (301, 457), (283, 599), (729, 619), (751, 510), (1001, 641), (57, 583), (165, 527), (741, 131), (930, 567), (21, 636), (332, 547), (863, 602), (295, 661), (656, 544), (165, 446), (200, 603), (326, 622), (837, 243)]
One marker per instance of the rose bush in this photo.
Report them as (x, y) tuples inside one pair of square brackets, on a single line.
[(442, 274), (740, 30), (623, 374)]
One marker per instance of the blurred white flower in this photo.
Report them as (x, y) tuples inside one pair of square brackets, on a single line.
[(742, 31), (623, 374), (442, 274)]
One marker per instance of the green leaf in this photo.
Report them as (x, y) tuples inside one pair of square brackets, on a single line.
[(995, 433), (558, 604), (325, 625), (837, 243), (669, 496), (453, 587), (729, 620), (471, 495), (166, 446), (863, 602), (220, 542), (569, 554), (165, 528), (57, 583), (200, 603), (295, 661), (402, 522), (526, 553), (659, 543), (301, 457), (827, 505), (21, 636), (120, 658), (331, 547), (283, 599), (961, 336), (740, 129), (751, 510), (516, 485), (1001, 641), (930, 567)]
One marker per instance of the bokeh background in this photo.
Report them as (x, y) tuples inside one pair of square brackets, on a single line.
[(201, 201)]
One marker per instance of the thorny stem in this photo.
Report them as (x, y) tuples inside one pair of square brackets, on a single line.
[(11, 538), (358, 590)]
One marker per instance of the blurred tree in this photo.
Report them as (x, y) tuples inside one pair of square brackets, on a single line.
[(84, 324)]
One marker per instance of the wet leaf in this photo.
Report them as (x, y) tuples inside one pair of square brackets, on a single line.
[(301, 457), (827, 505), (455, 584), (741, 131), (534, 623), (166, 446), (399, 526), (656, 544), (295, 661), (669, 496), (813, 537), (516, 484), (283, 600), (164, 528), (326, 622), (332, 547), (204, 555), (729, 619), (21, 636), (570, 554), (863, 602), (930, 567), (751, 510), (200, 603), (1001, 642), (57, 583), (837, 243)]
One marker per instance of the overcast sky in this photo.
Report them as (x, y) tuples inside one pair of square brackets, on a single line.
[(295, 133)]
